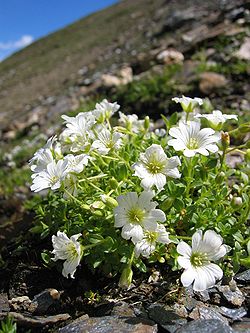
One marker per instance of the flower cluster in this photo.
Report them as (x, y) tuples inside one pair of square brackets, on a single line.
[(126, 194)]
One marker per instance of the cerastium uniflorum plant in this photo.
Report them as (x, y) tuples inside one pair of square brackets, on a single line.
[(121, 194)]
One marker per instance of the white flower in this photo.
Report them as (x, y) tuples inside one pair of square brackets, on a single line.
[(131, 122), (107, 140), (188, 104), (217, 118), (51, 177), (135, 214), (154, 166), (147, 245), (105, 110), (45, 155), (78, 131), (161, 132), (68, 249), (197, 260), (190, 138), (77, 163)]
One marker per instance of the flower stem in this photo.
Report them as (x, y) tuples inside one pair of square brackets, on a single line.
[(82, 205), (184, 237)]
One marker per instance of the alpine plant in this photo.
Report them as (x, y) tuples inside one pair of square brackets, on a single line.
[(120, 197)]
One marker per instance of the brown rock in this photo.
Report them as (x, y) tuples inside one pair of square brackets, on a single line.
[(4, 304), (211, 82)]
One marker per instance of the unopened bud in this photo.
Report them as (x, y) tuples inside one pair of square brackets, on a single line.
[(220, 177), (146, 123), (237, 201), (109, 201), (113, 183), (225, 140), (126, 277)]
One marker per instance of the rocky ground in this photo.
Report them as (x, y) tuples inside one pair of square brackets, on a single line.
[(197, 50)]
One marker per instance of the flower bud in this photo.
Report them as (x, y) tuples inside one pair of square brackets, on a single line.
[(225, 140), (146, 123), (109, 201), (220, 177), (113, 183), (126, 277), (97, 205), (237, 201)]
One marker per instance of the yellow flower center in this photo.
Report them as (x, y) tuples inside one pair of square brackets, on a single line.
[(192, 143), (136, 215), (198, 259)]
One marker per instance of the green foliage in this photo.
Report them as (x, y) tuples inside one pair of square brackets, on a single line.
[(8, 326)]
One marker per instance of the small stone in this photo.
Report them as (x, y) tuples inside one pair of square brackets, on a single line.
[(235, 298), (166, 318), (45, 299), (243, 277), (211, 82), (243, 326), (195, 314), (205, 325), (234, 314), (169, 57), (109, 324)]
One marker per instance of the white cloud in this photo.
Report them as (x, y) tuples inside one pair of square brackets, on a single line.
[(25, 40)]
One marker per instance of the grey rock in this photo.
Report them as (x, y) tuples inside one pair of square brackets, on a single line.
[(209, 313), (4, 303), (234, 297), (243, 277), (243, 326), (205, 325), (109, 324), (166, 318), (202, 295), (234, 314)]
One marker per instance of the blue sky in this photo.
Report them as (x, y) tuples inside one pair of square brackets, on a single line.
[(23, 21)]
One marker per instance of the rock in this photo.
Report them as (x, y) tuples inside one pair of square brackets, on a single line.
[(243, 277), (35, 321), (169, 57), (21, 303), (243, 326), (122, 309), (124, 76), (234, 297), (45, 299), (166, 318), (244, 51), (202, 295), (109, 324), (205, 325), (4, 303), (211, 82), (233, 159), (234, 314), (210, 313)]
